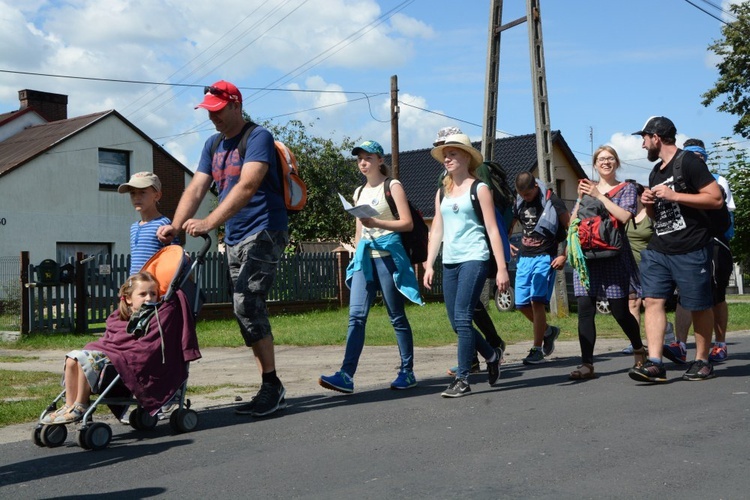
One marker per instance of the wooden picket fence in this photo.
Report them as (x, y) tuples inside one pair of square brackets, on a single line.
[(304, 281)]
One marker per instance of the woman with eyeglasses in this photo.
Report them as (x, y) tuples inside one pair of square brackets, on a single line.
[(609, 277)]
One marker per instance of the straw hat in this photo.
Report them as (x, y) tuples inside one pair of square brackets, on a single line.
[(459, 141)]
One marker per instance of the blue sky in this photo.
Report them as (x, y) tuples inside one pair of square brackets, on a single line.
[(610, 65)]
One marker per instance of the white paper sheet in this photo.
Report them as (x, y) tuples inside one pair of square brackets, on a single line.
[(361, 211)]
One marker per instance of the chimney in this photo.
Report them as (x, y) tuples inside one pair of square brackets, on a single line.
[(52, 107)]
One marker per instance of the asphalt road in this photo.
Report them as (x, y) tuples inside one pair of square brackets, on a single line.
[(535, 435)]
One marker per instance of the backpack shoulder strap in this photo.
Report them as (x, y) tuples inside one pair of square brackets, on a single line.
[(612, 192), (389, 197), (474, 196), (679, 179), (247, 129)]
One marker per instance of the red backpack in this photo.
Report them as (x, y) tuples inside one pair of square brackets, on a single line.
[(600, 233)]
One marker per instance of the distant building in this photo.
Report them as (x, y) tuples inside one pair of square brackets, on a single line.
[(59, 179)]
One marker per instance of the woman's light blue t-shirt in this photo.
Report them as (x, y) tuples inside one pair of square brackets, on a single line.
[(463, 235)]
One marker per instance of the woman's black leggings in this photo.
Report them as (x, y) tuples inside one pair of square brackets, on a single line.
[(587, 326)]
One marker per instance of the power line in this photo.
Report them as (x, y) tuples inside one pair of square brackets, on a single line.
[(707, 12), (189, 85)]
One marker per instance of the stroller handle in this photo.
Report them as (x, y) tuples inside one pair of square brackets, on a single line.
[(204, 249)]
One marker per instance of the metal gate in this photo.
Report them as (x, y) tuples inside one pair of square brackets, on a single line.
[(10, 294)]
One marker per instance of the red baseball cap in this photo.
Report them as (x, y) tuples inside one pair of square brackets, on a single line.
[(218, 95)]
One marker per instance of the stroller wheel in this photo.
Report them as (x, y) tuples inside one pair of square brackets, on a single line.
[(183, 420), (141, 420), (53, 436), (98, 436), (36, 435), (81, 438)]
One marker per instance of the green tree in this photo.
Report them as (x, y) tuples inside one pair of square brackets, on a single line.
[(733, 84), (326, 172)]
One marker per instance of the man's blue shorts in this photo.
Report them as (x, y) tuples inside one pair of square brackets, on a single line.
[(690, 272), (535, 280)]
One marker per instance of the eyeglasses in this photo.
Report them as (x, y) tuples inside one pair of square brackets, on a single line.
[(606, 159), (220, 93)]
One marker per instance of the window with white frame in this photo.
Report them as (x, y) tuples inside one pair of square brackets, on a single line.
[(114, 168)]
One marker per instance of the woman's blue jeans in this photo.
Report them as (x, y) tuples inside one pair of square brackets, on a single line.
[(361, 297), (462, 285)]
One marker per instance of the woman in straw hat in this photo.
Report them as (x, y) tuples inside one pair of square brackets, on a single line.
[(465, 254)]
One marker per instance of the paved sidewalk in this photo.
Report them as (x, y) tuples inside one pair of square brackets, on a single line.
[(300, 367)]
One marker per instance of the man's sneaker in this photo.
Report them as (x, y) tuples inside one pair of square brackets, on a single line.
[(268, 399), (649, 372), (404, 380), (475, 368), (676, 352), (535, 357), (550, 335), (493, 367), (718, 353), (339, 381), (459, 387), (699, 370), (628, 349)]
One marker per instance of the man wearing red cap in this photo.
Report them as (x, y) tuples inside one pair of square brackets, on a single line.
[(251, 207)]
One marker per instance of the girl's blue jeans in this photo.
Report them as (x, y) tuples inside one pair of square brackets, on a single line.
[(462, 285), (362, 295)]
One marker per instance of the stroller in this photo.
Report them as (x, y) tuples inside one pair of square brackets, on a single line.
[(165, 332)]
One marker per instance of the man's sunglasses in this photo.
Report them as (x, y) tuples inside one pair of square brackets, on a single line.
[(223, 94)]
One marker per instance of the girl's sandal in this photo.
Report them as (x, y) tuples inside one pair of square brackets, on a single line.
[(50, 417), (583, 372), (73, 414)]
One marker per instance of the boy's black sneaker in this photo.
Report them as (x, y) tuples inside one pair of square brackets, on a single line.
[(493, 367), (459, 387), (699, 370), (548, 345), (649, 372)]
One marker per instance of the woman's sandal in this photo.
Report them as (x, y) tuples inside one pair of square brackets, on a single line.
[(640, 356), (583, 372), (50, 417), (73, 414)]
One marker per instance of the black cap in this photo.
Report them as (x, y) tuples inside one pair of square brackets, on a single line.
[(658, 125)]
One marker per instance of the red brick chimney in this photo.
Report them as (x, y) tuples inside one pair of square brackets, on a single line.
[(52, 107)]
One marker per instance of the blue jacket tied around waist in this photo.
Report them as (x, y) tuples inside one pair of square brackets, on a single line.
[(404, 277)]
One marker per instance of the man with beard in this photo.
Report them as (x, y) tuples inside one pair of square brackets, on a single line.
[(680, 251)]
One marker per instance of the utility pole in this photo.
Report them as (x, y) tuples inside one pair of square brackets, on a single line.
[(394, 125), (558, 305), (541, 101), (492, 76)]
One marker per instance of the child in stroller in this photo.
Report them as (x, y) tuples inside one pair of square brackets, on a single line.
[(147, 343), (83, 368)]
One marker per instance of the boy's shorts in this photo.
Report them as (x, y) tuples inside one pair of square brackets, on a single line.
[(690, 272), (535, 280), (723, 267)]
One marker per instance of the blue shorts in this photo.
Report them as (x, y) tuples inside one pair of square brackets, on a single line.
[(689, 272), (535, 280)]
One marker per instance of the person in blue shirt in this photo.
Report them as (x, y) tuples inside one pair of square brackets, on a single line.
[(251, 207), (145, 192), (466, 254)]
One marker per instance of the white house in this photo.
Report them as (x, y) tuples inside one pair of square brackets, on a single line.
[(59, 178)]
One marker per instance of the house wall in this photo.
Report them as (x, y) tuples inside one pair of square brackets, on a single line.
[(56, 197), (564, 172)]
